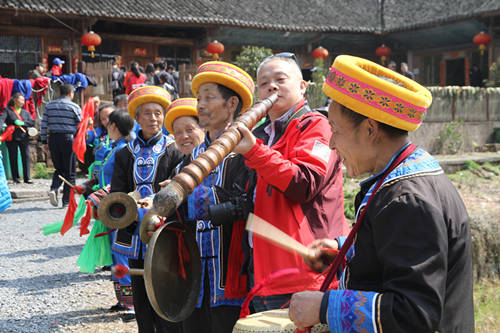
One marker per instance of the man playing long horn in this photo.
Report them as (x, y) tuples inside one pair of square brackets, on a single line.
[(299, 180), (223, 91), (141, 166)]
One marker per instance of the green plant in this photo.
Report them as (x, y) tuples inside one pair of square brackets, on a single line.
[(41, 171), (450, 138), (250, 58), (349, 210), (471, 165), (319, 74)]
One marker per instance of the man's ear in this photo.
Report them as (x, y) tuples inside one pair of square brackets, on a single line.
[(303, 87), (372, 128), (232, 103)]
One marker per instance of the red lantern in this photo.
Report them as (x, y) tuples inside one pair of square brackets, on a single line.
[(320, 52), (215, 48), (383, 52), (482, 39), (91, 40)]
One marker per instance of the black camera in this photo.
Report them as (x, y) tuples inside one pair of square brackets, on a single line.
[(236, 209)]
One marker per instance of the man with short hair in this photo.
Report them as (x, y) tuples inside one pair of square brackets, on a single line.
[(299, 180), (37, 72), (59, 125), (406, 72)]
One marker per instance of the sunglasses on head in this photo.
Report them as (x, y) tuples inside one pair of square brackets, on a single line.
[(287, 55)]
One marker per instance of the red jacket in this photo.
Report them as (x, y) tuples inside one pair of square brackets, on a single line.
[(133, 82), (299, 190)]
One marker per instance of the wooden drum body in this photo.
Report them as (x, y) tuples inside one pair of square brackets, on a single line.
[(272, 321)]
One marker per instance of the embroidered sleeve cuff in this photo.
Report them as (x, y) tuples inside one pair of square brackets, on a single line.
[(199, 201), (350, 253), (352, 311)]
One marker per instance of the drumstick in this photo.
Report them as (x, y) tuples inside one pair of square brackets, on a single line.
[(67, 182), (266, 230)]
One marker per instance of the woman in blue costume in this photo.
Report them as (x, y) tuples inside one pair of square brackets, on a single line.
[(97, 250), (98, 144)]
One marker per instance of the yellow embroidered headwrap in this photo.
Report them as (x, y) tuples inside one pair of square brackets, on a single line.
[(179, 108), (228, 75), (147, 94), (363, 86)]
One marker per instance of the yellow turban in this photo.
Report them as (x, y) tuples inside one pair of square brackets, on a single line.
[(179, 108), (228, 75), (377, 92), (147, 94)]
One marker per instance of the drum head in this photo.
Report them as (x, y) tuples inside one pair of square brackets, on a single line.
[(172, 297), (271, 321), (32, 132)]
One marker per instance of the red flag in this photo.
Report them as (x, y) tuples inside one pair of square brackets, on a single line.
[(85, 221), (79, 144), (70, 213), (7, 134)]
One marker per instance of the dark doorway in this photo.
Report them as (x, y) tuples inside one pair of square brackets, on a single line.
[(455, 72)]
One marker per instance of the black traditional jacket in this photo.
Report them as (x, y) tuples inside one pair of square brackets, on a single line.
[(410, 268)]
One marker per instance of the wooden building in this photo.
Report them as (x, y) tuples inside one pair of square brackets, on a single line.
[(433, 37)]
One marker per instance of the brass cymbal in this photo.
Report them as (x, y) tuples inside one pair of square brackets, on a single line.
[(117, 210)]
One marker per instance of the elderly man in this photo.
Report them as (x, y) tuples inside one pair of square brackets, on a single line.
[(141, 166), (409, 268), (299, 180), (222, 91)]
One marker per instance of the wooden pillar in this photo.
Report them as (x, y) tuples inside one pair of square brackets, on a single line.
[(467, 70), (442, 73)]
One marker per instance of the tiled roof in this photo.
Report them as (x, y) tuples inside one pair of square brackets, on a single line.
[(284, 15)]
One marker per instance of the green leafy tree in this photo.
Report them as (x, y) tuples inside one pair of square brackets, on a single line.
[(250, 58)]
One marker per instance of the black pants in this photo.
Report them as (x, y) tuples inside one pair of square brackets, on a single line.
[(207, 319), (148, 321), (24, 146), (64, 159)]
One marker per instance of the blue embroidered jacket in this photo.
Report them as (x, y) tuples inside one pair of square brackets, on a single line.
[(214, 241), (410, 268), (141, 165)]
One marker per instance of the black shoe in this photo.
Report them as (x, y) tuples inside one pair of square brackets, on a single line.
[(128, 316), (29, 181), (117, 307), (17, 180), (106, 268), (65, 205)]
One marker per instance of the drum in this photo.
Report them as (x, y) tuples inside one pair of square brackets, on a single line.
[(272, 321), (32, 132)]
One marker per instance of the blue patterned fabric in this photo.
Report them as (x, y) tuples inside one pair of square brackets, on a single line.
[(353, 310), (146, 162), (5, 198), (208, 236), (146, 158), (106, 170)]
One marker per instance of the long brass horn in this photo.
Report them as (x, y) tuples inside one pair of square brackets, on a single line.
[(118, 210), (171, 197)]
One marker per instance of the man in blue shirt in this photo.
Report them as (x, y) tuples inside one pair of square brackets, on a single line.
[(59, 125)]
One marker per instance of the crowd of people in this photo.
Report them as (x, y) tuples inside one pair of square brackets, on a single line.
[(404, 266)]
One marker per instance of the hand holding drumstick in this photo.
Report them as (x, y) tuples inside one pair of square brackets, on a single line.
[(318, 255)]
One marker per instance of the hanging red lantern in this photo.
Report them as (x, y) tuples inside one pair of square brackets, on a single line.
[(215, 48), (383, 52), (91, 40), (482, 39), (320, 52)]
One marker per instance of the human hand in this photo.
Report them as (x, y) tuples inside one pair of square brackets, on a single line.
[(80, 189), (321, 254), (247, 142), (304, 308), (165, 182), (19, 122), (145, 203)]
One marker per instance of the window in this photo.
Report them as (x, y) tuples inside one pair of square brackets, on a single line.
[(18, 55)]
